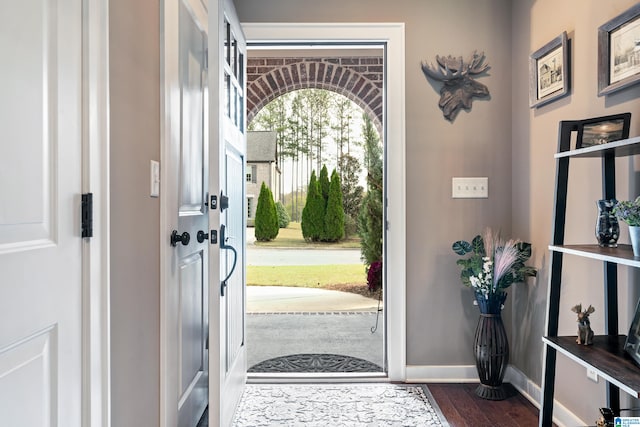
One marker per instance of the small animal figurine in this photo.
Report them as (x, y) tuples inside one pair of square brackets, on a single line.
[(585, 334)]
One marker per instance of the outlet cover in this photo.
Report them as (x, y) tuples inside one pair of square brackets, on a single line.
[(470, 188), (592, 375)]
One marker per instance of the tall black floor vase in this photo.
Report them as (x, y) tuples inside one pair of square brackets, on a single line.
[(491, 347)]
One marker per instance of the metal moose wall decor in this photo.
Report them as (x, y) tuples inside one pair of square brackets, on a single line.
[(459, 87)]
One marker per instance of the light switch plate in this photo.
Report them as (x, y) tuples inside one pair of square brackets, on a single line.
[(470, 188), (155, 178)]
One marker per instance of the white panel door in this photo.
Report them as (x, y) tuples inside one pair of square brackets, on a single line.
[(228, 143), (40, 237), (187, 292)]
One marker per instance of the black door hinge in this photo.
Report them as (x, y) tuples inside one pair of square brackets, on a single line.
[(87, 215)]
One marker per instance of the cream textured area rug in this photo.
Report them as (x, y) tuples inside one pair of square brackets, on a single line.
[(337, 405)]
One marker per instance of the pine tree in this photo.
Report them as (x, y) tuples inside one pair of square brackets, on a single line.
[(351, 191), (334, 217), (313, 212), (324, 182), (370, 217), (283, 215), (266, 222)]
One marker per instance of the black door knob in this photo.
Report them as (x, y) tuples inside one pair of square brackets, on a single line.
[(182, 238), (202, 236), (224, 201)]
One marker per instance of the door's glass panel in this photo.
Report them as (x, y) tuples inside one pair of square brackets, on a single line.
[(241, 70), (236, 99), (192, 114), (233, 54), (227, 94), (227, 44)]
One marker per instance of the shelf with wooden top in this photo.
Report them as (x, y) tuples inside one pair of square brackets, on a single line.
[(606, 356), (623, 254), (622, 148)]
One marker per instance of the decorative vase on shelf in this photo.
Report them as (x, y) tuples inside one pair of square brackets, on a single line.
[(491, 347), (607, 227), (634, 234)]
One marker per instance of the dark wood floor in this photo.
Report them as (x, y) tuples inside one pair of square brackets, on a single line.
[(462, 408)]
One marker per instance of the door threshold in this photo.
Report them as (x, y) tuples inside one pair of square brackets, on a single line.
[(317, 377)]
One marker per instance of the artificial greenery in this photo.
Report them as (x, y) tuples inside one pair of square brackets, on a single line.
[(493, 264), (629, 211)]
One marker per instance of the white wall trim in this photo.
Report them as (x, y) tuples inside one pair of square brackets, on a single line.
[(96, 369), (442, 374), (391, 34)]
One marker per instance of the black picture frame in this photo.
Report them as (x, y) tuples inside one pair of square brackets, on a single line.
[(632, 343), (549, 72), (602, 130), (619, 52)]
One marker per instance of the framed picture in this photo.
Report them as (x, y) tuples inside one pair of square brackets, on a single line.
[(619, 52), (549, 72), (601, 130), (632, 344)]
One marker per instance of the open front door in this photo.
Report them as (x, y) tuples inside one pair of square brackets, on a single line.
[(186, 244), (228, 148)]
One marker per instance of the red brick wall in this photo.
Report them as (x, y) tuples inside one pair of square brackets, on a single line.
[(358, 78)]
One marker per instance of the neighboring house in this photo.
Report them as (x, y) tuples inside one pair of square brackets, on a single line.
[(262, 166)]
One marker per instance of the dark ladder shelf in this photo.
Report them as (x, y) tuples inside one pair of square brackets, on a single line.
[(607, 356)]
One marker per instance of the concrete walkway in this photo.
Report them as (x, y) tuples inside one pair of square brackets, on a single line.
[(270, 299)]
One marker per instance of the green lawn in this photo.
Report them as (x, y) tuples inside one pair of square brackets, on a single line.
[(291, 237), (308, 276)]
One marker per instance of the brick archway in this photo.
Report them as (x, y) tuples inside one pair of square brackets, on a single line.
[(358, 78)]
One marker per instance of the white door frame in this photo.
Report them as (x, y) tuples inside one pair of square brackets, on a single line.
[(96, 369), (391, 34)]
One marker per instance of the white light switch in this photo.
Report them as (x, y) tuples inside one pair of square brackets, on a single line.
[(155, 178), (470, 188)]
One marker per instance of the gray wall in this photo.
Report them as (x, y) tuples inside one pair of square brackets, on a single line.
[(135, 217), (534, 143), (440, 316)]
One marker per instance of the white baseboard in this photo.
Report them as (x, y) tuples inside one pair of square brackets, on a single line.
[(467, 374), (441, 374)]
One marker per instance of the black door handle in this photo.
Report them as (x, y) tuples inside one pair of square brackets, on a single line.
[(223, 245), (182, 238), (202, 236)]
